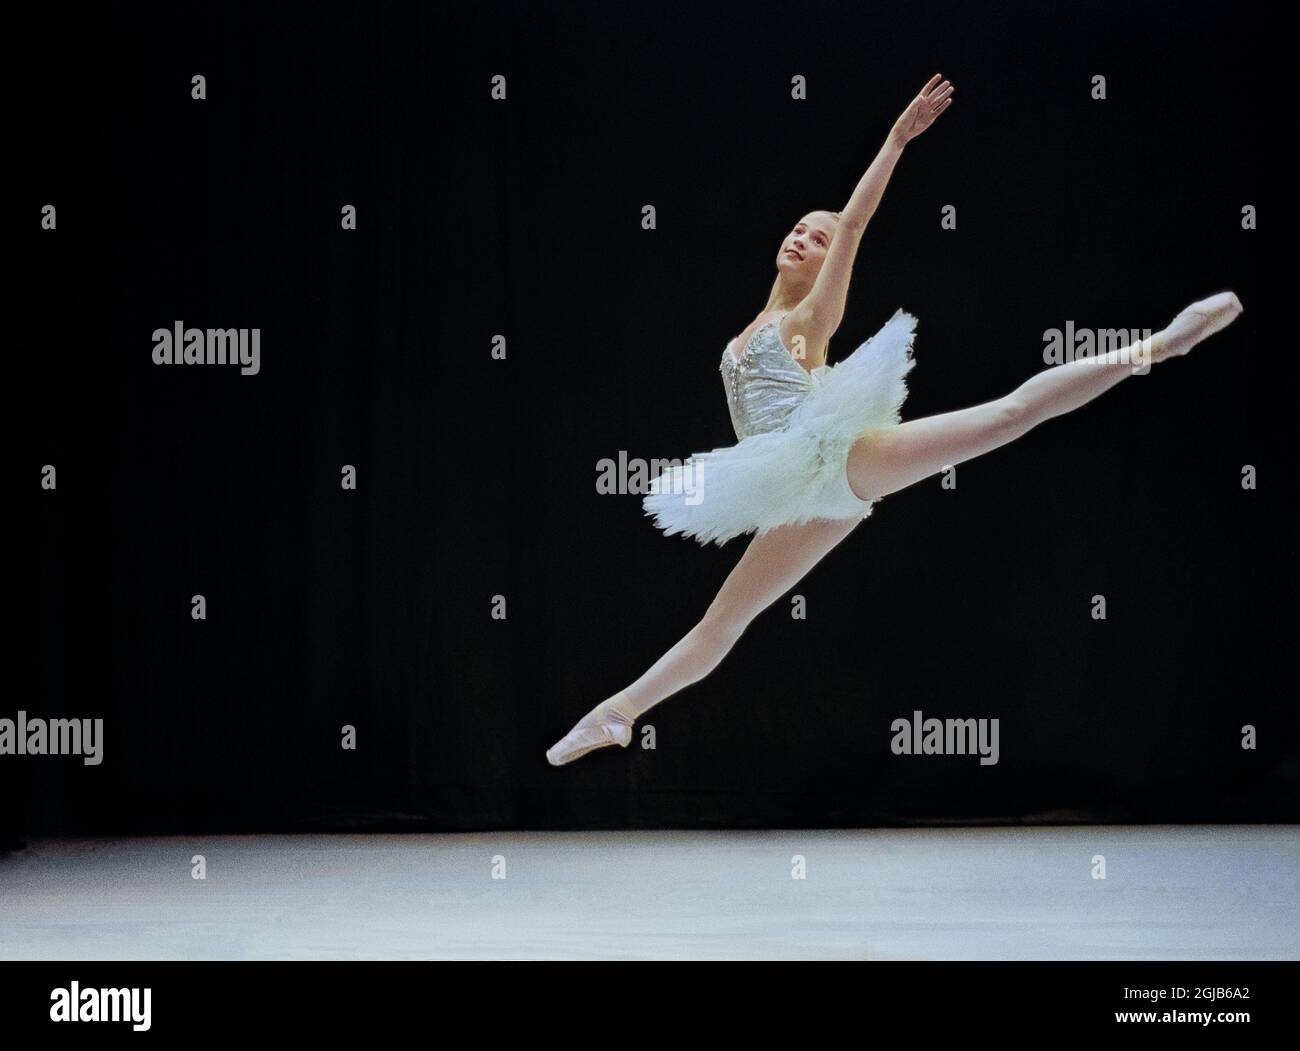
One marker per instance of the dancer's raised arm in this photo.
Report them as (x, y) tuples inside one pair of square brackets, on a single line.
[(819, 315)]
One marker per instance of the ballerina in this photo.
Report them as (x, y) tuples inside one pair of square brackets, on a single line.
[(818, 446)]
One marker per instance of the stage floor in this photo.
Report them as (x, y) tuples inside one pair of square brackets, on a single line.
[(1184, 892)]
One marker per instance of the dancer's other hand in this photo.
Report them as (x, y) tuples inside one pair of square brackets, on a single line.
[(923, 110)]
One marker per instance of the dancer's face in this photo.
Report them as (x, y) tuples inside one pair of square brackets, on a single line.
[(804, 249)]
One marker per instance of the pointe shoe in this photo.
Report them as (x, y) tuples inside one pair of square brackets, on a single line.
[(1195, 323), (583, 739)]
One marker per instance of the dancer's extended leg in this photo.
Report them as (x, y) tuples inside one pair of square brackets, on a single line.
[(892, 459), (878, 465), (771, 565)]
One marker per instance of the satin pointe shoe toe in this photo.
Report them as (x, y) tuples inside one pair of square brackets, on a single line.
[(583, 739), (1194, 324)]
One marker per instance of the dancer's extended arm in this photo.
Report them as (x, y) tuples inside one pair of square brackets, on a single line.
[(822, 310)]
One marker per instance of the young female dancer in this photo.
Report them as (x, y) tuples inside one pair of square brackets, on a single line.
[(817, 446)]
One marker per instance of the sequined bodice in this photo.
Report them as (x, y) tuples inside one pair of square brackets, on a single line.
[(766, 385)]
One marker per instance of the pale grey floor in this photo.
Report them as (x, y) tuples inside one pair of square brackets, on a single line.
[(1170, 893)]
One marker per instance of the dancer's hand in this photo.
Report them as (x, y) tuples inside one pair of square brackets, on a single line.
[(923, 110)]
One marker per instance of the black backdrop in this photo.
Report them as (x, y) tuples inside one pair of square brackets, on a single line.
[(477, 477)]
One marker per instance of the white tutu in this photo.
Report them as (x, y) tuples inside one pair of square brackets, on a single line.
[(793, 470)]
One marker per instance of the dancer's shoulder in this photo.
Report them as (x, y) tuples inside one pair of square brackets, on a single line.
[(806, 340)]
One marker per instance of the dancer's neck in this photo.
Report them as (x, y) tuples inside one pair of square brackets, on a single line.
[(783, 298)]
